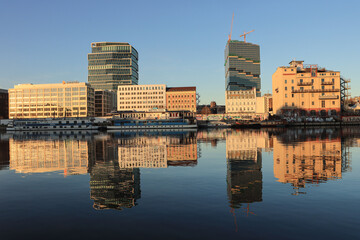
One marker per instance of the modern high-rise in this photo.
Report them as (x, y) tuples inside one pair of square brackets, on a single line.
[(242, 66), (112, 64)]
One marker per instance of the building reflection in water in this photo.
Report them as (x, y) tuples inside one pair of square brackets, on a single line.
[(115, 171), (309, 156), (44, 153), (244, 162)]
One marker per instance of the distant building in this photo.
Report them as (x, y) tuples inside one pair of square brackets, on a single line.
[(141, 97), (105, 102), (4, 104), (305, 90), (242, 66), (181, 99), (112, 64), (67, 99)]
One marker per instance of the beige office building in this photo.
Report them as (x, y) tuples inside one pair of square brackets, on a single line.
[(241, 101), (67, 99), (305, 90), (141, 97)]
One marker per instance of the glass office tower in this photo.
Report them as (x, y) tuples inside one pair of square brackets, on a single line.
[(112, 64), (242, 66)]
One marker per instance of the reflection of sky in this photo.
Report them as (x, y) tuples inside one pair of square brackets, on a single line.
[(191, 198)]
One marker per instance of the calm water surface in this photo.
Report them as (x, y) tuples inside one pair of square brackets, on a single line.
[(218, 184)]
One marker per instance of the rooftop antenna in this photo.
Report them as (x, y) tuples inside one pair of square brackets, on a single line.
[(232, 21), (244, 35)]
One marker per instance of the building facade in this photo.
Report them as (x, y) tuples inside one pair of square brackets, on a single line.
[(67, 99), (240, 101), (105, 102), (181, 99), (242, 66), (305, 90), (4, 104), (112, 64), (141, 97)]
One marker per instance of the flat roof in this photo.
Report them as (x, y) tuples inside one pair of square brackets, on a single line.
[(180, 89)]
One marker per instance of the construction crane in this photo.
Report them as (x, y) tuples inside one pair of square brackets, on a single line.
[(244, 35), (232, 21)]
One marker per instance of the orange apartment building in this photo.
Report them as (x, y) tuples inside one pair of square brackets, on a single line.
[(181, 99), (305, 90)]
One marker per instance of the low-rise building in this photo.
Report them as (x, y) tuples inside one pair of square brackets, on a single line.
[(141, 97), (181, 99), (241, 101), (305, 90), (67, 99), (105, 102), (4, 104)]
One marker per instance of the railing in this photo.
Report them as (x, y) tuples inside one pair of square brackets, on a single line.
[(304, 83), (315, 90), (327, 83), (329, 97)]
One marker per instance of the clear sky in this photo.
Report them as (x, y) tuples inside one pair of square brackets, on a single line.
[(180, 43)]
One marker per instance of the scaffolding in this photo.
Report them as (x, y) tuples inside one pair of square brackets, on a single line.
[(344, 93)]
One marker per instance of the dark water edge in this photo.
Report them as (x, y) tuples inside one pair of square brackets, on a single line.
[(253, 184)]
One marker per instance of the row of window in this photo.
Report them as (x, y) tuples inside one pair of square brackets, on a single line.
[(312, 80), (137, 88), (312, 103)]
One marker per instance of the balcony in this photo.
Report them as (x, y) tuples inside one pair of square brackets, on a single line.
[(327, 83), (315, 90), (325, 97), (304, 83)]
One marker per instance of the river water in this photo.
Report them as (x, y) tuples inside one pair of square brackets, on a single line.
[(215, 184)]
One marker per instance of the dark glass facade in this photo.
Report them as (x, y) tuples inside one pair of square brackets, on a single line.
[(4, 104), (242, 66), (112, 64)]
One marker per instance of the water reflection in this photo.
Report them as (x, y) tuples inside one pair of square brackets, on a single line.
[(308, 156), (244, 176), (301, 157)]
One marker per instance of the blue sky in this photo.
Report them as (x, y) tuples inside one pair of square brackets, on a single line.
[(180, 43)]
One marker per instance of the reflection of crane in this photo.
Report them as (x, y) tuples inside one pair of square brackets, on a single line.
[(232, 21), (244, 35)]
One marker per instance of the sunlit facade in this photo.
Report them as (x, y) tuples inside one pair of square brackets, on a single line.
[(181, 99), (141, 97), (67, 99), (112, 64), (305, 90)]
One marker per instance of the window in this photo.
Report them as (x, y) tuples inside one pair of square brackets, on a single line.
[(333, 102), (285, 80), (323, 104), (285, 88), (312, 103), (292, 80), (302, 103)]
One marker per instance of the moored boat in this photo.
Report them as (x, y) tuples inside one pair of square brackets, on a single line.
[(52, 124), (136, 124)]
